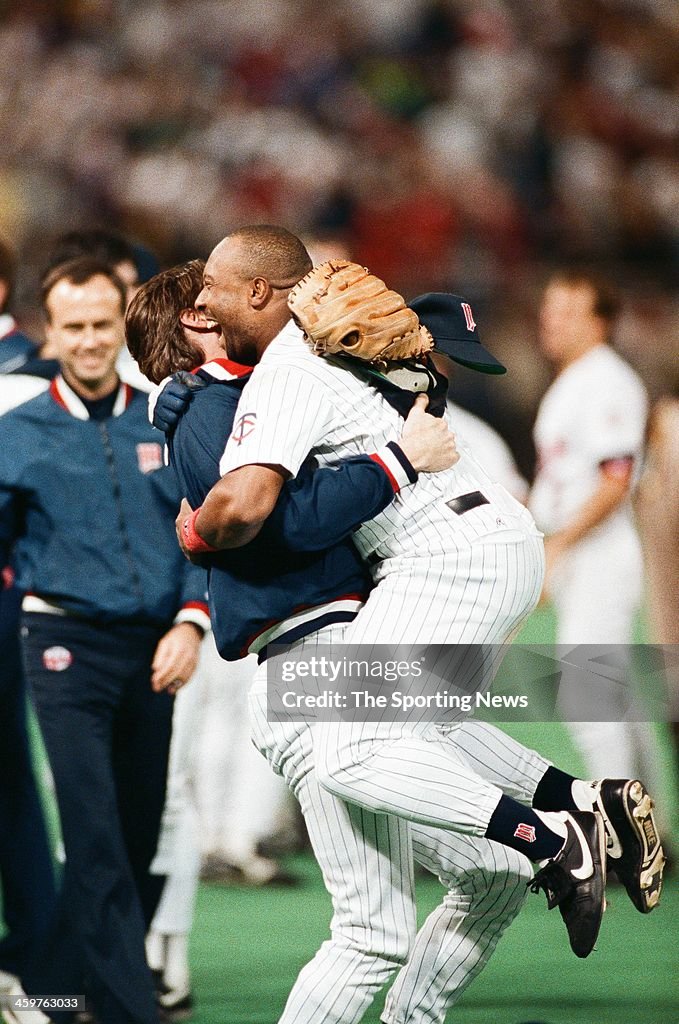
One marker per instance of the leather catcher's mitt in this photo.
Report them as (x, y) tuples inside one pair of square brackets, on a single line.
[(342, 307)]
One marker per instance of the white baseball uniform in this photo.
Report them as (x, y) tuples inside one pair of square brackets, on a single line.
[(240, 802), (594, 413), (442, 578), (366, 861)]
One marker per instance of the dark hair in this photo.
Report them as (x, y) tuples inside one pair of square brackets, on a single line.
[(155, 337), (100, 243), (80, 271), (606, 298), (8, 268), (273, 252)]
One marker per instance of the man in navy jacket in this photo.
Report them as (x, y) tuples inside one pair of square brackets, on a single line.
[(304, 571), (112, 622)]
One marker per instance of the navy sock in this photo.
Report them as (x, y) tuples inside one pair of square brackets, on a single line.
[(517, 826), (554, 791)]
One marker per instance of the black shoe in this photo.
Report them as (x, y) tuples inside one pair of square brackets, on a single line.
[(575, 880), (633, 842)]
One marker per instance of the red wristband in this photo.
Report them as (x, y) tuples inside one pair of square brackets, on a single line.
[(193, 541)]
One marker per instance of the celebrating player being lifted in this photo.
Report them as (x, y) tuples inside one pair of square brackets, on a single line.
[(304, 557), (456, 560)]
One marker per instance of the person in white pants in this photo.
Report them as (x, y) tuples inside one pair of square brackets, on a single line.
[(367, 863), (458, 560), (240, 802), (589, 437)]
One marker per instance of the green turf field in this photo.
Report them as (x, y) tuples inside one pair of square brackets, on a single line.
[(249, 944)]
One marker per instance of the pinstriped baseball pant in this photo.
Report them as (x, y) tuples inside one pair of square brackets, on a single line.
[(479, 593), (366, 860)]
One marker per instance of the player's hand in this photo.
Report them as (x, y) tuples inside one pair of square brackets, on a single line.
[(184, 511), (176, 657), (426, 441), (170, 400)]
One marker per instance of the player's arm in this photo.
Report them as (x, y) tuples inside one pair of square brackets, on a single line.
[(615, 477), (319, 510), (321, 507), (234, 511), (280, 415)]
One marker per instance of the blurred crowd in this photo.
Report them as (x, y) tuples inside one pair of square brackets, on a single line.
[(448, 144)]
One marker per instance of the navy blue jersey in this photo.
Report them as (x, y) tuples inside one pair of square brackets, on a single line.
[(302, 570)]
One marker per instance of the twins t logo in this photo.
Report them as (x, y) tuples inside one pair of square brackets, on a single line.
[(245, 424), (468, 315), (149, 456)]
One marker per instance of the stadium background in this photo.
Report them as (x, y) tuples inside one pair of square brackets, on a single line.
[(454, 145)]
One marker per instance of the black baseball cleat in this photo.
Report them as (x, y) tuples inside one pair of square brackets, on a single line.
[(575, 880), (634, 850)]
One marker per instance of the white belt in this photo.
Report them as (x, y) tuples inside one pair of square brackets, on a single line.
[(31, 603)]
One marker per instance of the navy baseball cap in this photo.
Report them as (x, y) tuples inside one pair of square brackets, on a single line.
[(451, 324)]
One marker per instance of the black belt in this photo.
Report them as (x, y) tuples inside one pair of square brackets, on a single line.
[(466, 502)]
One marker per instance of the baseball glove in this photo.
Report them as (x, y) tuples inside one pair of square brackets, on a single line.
[(342, 307)]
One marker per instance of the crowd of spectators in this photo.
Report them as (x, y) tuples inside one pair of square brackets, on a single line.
[(449, 144)]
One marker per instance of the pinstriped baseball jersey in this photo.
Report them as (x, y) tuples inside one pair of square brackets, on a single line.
[(593, 413), (298, 403)]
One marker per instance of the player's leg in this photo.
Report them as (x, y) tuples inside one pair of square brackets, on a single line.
[(596, 592), (77, 691), (140, 752), (499, 758), (611, 745), (177, 858), (241, 801), (468, 603), (366, 861), (478, 596), (26, 872), (486, 887), (518, 771)]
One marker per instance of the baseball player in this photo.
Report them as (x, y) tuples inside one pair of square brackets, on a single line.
[(484, 889), (435, 976), (589, 436), (366, 859), (472, 580)]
